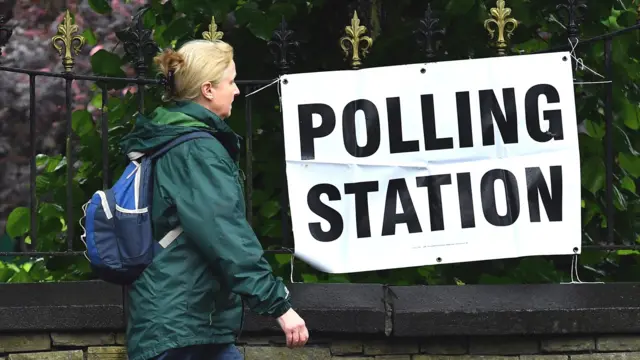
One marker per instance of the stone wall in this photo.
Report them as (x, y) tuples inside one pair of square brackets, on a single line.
[(85, 319), (111, 346)]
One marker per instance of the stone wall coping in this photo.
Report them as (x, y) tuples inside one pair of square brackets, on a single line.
[(365, 309)]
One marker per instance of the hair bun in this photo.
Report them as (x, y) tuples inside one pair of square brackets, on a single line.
[(169, 60)]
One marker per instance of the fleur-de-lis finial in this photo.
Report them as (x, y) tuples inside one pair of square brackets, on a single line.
[(428, 29), (212, 34), (356, 41), (572, 13), (66, 43), (138, 43), (504, 24), (281, 47), (5, 32)]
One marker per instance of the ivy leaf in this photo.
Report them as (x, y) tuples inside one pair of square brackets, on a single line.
[(309, 278), (270, 209), (19, 222), (619, 200), (627, 18), (283, 259), (51, 210), (282, 8), (628, 184), (532, 45), (82, 122), (100, 6), (630, 163), (611, 22), (38, 271), (106, 63), (630, 115), (627, 252), (264, 26), (22, 276), (158, 36), (261, 24), (6, 272), (149, 18), (593, 174), (90, 37), (56, 163), (621, 137), (271, 228), (96, 101), (458, 7), (259, 197), (594, 130), (247, 12), (176, 29)]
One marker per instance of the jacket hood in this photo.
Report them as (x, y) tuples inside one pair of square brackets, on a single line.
[(165, 124)]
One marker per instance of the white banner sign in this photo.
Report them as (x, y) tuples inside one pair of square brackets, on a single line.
[(436, 163)]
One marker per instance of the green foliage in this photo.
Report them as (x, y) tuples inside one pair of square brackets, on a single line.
[(100, 6), (318, 25)]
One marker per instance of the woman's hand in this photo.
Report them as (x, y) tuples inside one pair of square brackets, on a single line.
[(294, 329)]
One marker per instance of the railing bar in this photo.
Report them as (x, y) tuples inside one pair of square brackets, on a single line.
[(82, 253), (611, 247), (74, 253), (79, 77), (609, 157), (33, 201), (607, 36), (140, 98), (69, 151), (140, 81), (249, 156), (284, 201), (104, 129)]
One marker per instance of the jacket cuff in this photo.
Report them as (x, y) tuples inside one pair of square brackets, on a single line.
[(282, 308)]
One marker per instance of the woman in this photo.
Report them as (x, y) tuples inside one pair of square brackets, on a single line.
[(187, 305)]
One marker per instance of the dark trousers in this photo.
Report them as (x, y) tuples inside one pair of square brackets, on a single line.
[(203, 352)]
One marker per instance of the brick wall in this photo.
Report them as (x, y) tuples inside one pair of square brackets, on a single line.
[(111, 346)]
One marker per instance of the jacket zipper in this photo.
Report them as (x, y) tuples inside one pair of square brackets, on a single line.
[(242, 179)]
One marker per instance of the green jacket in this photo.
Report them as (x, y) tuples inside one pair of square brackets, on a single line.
[(192, 292)]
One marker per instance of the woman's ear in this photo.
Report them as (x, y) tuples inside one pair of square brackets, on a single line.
[(207, 90)]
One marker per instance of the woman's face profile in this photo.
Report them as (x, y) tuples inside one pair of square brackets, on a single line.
[(224, 93)]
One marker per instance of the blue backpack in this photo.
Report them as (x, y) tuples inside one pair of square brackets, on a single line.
[(118, 232)]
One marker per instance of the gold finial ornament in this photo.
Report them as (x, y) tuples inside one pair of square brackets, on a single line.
[(213, 34), (66, 42), (504, 24), (356, 41)]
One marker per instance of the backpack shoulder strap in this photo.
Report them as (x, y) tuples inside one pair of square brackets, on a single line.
[(177, 141), (172, 235), (146, 167)]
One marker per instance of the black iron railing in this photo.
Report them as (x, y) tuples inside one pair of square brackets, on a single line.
[(140, 47)]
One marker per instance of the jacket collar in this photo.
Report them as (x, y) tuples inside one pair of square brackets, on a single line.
[(203, 114), (221, 130)]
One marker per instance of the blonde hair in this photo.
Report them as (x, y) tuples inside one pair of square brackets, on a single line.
[(195, 63)]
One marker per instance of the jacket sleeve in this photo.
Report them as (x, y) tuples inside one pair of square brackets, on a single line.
[(210, 209)]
